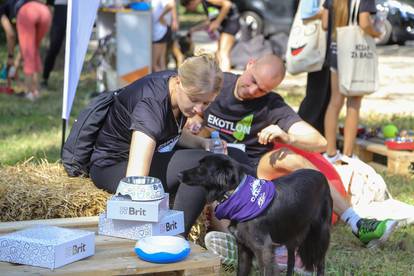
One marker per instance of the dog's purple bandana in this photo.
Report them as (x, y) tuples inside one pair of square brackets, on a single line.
[(249, 200)]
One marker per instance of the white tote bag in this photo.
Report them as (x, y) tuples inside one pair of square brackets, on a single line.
[(357, 58), (306, 46)]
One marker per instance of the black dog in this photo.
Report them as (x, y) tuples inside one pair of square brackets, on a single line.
[(186, 44), (298, 217)]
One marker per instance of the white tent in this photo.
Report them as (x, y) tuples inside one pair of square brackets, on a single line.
[(80, 19)]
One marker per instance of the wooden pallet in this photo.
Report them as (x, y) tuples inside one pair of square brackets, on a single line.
[(113, 256), (374, 150)]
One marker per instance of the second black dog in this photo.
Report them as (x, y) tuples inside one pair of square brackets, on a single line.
[(299, 216)]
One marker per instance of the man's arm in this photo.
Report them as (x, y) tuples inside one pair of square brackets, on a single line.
[(300, 134), (305, 137)]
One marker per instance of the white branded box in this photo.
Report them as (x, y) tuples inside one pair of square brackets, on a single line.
[(171, 224), (122, 208), (47, 246)]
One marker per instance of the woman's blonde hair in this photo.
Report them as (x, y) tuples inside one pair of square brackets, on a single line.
[(340, 8), (201, 74)]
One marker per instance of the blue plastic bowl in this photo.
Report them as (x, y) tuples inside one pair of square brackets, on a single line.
[(162, 249)]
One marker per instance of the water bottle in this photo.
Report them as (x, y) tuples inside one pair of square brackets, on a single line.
[(216, 145)]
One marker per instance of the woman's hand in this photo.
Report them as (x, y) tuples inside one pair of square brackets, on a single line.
[(272, 132), (194, 124), (174, 25), (214, 25)]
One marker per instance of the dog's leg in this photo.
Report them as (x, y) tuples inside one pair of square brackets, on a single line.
[(291, 261), (244, 263), (320, 269), (264, 252)]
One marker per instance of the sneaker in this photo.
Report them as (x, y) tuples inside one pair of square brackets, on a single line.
[(281, 258), (223, 245), (373, 233), (333, 159), (30, 96)]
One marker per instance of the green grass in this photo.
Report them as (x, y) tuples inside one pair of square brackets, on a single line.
[(33, 129)]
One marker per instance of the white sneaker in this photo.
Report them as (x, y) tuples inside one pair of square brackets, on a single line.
[(223, 245), (281, 257), (333, 159)]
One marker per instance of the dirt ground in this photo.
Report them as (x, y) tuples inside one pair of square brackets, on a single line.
[(396, 66)]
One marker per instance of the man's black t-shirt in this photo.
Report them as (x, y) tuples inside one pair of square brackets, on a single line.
[(146, 107), (241, 121)]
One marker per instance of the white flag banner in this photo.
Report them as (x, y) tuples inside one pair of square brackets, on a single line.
[(80, 20)]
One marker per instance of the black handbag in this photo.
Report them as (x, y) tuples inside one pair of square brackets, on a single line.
[(78, 148)]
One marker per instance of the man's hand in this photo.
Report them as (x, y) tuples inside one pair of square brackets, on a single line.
[(272, 132)]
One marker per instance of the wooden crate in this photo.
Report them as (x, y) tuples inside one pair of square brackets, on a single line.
[(374, 150), (113, 256)]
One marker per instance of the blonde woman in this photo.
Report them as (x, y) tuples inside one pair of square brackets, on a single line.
[(145, 124), (337, 11)]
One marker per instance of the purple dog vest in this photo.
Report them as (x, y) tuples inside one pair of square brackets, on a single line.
[(248, 201)]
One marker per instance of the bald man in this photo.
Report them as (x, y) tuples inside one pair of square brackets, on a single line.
[(247, 112)]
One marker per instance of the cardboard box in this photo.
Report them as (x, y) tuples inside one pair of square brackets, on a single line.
[(171, 224), (122, 208), (47, 246)]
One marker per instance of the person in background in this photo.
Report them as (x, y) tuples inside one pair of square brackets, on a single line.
[(57, 35), (32, 20), (337, 11), (318, 87), (164, 22), (226, 23)]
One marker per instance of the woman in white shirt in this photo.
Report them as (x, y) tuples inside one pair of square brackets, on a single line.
[(164, 21)]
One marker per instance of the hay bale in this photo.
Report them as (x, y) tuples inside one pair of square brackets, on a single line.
[(43, 190)]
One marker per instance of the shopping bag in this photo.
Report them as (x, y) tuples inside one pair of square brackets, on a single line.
[(357, 58), (306, 47)]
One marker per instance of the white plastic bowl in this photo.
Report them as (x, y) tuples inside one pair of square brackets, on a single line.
[(162, 249), (141, 188)]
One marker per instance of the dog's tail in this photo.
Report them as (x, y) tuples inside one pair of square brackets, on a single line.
[(313, 249)]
